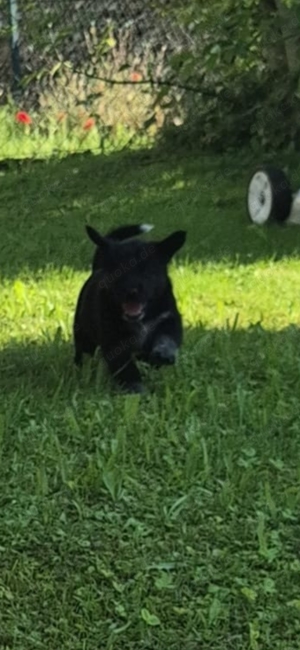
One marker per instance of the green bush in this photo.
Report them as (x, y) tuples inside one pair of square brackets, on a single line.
[(239, 75)]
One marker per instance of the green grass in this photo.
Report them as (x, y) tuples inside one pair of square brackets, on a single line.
[(171, 520)]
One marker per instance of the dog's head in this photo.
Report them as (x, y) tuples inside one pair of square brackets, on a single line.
[(134, 273)]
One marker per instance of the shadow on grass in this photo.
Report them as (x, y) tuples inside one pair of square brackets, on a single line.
[(255, 361), (45, 371), (45, 206)]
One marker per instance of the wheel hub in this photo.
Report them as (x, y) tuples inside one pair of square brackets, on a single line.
[(260, 198)]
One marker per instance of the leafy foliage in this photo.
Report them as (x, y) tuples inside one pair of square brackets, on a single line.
[(217, 75), (238, 61)]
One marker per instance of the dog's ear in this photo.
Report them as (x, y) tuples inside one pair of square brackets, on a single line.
[(95, 236), (169, 246)]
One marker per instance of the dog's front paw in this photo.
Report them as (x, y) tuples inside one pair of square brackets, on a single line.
[(163, 352)]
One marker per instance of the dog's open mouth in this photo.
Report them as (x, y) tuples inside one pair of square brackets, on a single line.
[(133, 311)]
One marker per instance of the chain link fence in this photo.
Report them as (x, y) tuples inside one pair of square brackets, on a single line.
[(73, 59)]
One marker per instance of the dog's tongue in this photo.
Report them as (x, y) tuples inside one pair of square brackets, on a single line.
[(132, 308)]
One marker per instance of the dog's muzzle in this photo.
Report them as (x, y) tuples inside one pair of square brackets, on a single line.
[(133, 311)]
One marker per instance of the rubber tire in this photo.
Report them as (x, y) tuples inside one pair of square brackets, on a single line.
[(282, 195)]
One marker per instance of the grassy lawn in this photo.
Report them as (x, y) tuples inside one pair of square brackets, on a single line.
[(168, 521)]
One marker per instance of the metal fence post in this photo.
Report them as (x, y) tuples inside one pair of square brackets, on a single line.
[(15, 51)]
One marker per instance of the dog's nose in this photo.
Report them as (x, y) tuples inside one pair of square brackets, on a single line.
[(132, 294)]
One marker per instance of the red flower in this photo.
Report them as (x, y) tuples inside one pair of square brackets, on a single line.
[(136, 76), (89, 123), (23, 118)]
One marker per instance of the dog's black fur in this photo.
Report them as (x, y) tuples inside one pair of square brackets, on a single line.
[(119, 234), (127, 306)]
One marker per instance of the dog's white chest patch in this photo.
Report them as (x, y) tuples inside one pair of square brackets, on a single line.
[(148, 327)]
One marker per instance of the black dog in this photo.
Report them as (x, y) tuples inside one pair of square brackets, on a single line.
[(127, 306)]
